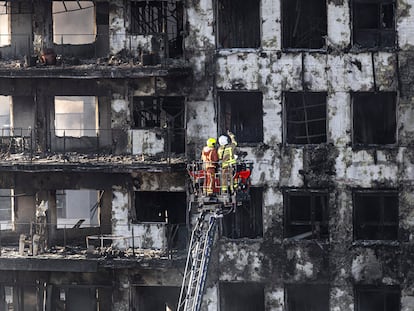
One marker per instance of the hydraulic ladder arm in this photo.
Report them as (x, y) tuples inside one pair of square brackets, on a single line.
[(202, 239)]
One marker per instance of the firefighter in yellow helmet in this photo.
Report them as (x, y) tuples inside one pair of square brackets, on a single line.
[(227, 157), (210, 160)]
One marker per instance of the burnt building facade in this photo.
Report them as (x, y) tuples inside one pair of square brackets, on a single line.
[(103, 103)]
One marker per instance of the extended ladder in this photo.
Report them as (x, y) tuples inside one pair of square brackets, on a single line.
[(198, 257)]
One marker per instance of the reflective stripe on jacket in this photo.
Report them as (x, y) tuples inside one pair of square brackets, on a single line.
[(209, 157)]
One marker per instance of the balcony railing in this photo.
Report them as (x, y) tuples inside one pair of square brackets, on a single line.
[(138, 48), (33, 143)]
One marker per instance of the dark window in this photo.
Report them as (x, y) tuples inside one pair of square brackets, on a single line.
[(376, 215), (377, 298), (374, 118), (238, 23), (373, 23), (306, 214), (151, 298), (246, 221), (305, 117), (307, 297), (157, 206), (242, 114), (162, 112), (241, 296), (160, 17), (304, 24)]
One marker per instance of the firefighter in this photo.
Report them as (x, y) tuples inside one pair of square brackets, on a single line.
[(209, 157), (227, 157)]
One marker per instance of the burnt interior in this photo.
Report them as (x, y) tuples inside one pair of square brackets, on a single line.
[(305, 117), (304, 24), (242, 114), (374, 118), (373, 23), (306, 214), (305, 297), (373, 298), (376, 215), (238, 24), (244, 296)]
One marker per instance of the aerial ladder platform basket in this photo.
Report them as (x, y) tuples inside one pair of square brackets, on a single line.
[(229, 191)]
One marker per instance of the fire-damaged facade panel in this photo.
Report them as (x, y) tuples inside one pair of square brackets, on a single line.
[(106, 108)]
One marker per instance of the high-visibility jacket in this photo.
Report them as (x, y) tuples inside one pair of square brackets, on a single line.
[(209, 157), (226, 153)]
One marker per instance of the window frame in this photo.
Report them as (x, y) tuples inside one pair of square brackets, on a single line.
[(82, 130), (354, 95), (312, 223), (57, 35), (149, 197), (381, 194), (283, 30), (309, 292), (379, 30), (285, 113), (218, 33), (234, 127), (233, 219), (382, 290)]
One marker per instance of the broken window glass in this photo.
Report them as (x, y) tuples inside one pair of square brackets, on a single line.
[(373, 23), (242, 114), (160, 206), (246, 221), (374, 118), (376, 215), (5, 35), (305, 117), (162, 112), (304, 24), (73, 22), (305, 297), (306, 214), (160, 17), (244, 296), (238, 24), (76, 116), (377, 298)]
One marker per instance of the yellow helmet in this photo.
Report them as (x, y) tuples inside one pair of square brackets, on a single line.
[(211, 142)]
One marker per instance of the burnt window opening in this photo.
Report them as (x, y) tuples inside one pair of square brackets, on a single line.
[(305, 297), (238, 24), (5, 27), (6, 205), (242, 114), (245, 296), (373, 23), (160, 17), (306, 214), (246, 221), (374, 118), (80, 298), (149, 298), (305, 117), (160, 206), (76, 116), (74, 22), (78, 207), (376, 215), (377, 298), (304, 24), (162, 112)]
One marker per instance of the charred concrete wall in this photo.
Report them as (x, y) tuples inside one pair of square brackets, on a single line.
[(336, 165)]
